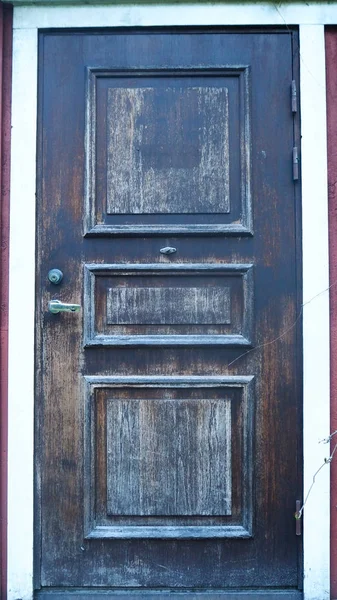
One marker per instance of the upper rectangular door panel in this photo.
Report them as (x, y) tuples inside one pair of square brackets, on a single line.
[(168, 151)]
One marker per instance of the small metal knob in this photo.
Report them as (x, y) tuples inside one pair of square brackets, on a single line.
[(168, 250), (55, 276)]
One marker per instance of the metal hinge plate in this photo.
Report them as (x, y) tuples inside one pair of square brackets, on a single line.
[(298, 518), (295, 163), (293, 96)]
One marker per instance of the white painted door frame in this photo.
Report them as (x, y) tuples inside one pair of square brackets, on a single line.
[(27, 21)]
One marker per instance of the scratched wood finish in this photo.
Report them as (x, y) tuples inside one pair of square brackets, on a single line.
[(239, 532), (168, 306), (169, 457), (165, 148)]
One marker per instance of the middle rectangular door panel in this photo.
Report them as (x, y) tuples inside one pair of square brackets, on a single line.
[(161, 304)]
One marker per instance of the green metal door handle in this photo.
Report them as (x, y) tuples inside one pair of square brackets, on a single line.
[(56, 306)]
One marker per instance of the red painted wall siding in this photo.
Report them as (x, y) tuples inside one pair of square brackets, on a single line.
[(331, 76), (5, 134)]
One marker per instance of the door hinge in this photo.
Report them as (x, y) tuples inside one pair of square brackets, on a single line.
[(293, 96), (298, 518), (295, 163)]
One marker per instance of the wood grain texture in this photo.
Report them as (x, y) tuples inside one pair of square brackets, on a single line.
[(169, 457), (168, 305), (167, 147)]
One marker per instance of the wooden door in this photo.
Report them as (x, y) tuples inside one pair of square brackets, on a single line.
[(168, 411)]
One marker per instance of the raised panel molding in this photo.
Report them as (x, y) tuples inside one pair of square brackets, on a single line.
[(140, 431), (143, 178), (149, 594), (166, 304)]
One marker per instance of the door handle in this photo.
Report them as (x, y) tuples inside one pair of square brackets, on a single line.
[(168, 250), (56, 306)]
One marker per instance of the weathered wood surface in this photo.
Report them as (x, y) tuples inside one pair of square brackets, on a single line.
[(169, 457), (167, 150), (168, 306), (81, 451)]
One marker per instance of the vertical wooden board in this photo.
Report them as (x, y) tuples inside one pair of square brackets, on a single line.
[(169, 457)]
